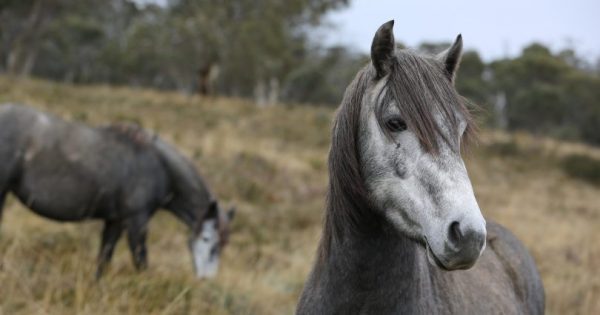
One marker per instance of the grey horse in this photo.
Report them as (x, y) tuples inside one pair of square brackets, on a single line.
[(403, 233), (119, 173)]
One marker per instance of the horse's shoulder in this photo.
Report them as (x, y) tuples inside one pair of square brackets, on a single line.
[(505, 244), (518, 264), (498, 234)]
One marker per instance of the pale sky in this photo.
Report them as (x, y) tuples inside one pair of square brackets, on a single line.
[(495, 28)]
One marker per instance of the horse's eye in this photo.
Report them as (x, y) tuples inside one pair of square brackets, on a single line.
[(395, 124)]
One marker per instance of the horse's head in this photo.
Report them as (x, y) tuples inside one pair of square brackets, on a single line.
[(412, 123), (209, 240)]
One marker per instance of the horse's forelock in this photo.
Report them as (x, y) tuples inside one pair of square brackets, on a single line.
[(420, 90)]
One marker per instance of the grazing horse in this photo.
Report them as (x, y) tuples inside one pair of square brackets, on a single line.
[(120, 174), (403, 233)]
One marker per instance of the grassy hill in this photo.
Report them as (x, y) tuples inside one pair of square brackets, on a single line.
[(271, 164)]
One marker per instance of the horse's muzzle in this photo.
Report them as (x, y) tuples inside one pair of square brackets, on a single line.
[(462, 248)]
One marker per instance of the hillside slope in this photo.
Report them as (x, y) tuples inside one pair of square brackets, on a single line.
[(271, 164)]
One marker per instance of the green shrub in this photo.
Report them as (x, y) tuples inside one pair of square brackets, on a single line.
[(582, 167)]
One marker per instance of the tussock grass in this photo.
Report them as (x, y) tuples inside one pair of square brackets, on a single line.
[(271, 163)]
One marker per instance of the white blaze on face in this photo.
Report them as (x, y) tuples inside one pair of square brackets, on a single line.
[(421, 193), (205, 250)]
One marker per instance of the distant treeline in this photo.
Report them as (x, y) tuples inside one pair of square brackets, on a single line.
[(263, 49), (538, 91), (235, 47)]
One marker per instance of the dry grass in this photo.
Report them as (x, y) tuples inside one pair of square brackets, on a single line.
[(271, 163)]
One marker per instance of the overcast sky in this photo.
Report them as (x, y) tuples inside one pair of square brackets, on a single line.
[(495, 28)]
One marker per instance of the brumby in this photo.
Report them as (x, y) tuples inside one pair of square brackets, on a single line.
[(403, 233), (120, 174)]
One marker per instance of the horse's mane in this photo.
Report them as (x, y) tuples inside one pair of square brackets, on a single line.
[(188, 188), (185, 177), (180, 167), (421, 90), (131, 133)]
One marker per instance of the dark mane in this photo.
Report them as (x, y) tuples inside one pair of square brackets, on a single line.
[(346, 188), (132, 133), (190, 188), (421, 89)]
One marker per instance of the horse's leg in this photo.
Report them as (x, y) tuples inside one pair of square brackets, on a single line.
[(136, 235), (110, 235)]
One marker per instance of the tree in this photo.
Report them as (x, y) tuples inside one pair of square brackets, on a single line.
[(253, 42), (470, 79), (323, 77), (73, 31), (21, 25), (546, 93)]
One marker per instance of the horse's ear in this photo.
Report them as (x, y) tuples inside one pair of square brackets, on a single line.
[(213, 211), (231, 214), (382, 49), (451, 58)]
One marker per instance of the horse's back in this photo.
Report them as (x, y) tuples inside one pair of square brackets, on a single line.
[(518, 265), (70, 171)]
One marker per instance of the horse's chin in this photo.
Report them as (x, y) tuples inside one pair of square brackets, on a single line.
[(207, 269), (433, 260)]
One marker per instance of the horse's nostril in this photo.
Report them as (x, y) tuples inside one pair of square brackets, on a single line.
[(455, 234)]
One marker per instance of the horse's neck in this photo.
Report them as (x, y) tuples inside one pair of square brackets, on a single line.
[(189, 195), (368, 271), (188, 205)]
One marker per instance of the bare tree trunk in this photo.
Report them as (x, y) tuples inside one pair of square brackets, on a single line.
[(260, 93), (273, 91), (23, 53), (69, 75), (500, 110), (207, 75), (30, 60)]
